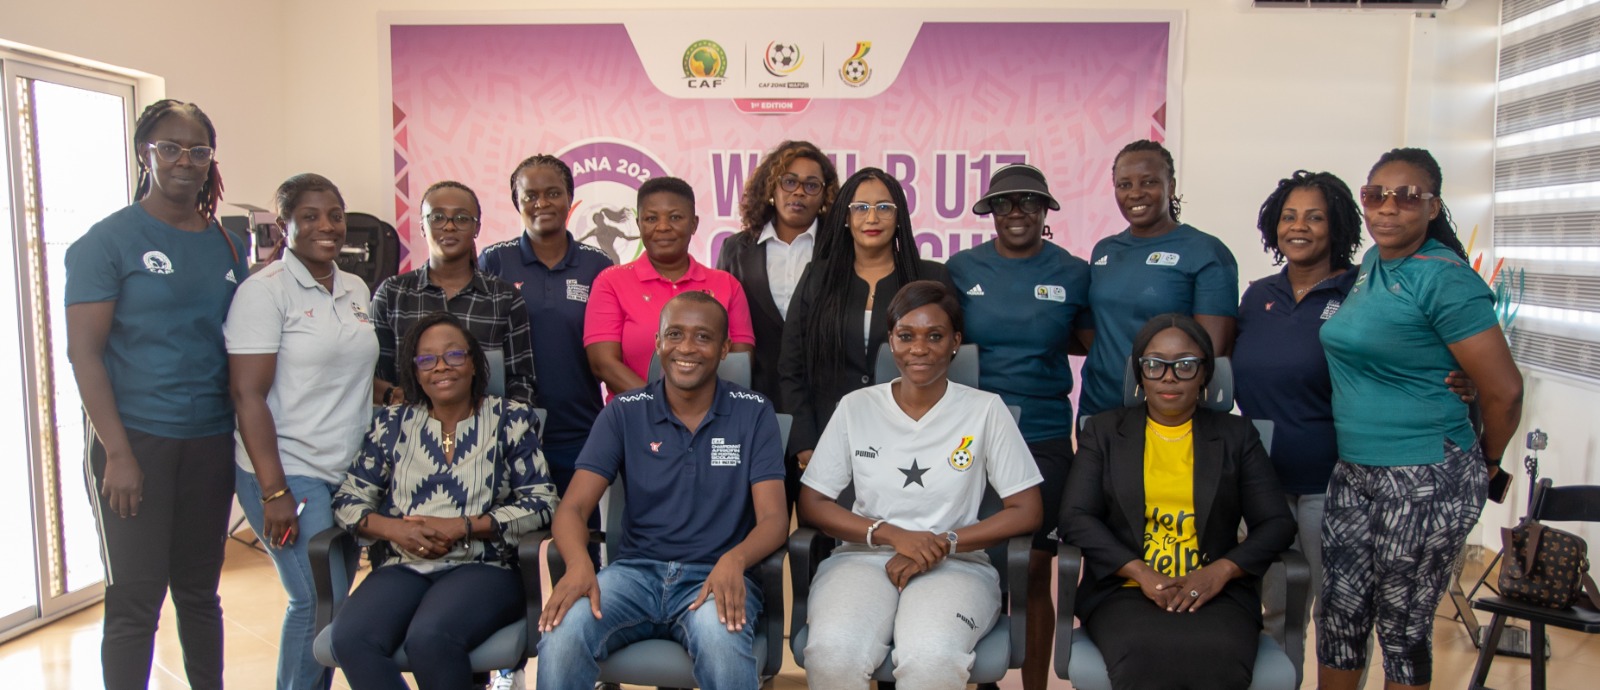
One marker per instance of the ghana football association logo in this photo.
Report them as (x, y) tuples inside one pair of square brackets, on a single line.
[(855, 71), (961, 458), (705, 64)]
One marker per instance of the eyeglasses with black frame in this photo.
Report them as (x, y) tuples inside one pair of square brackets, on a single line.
[(1407, 197), (170, 152), (451, 358), (790, 183), (1029, 203), (1183, 368), (438, 220)]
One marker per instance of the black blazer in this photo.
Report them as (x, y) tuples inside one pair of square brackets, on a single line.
[(1103, 512), (812, 395), (747, 261)]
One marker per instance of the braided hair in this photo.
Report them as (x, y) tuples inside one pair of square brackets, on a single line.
[(1441, 228), (540, 160), (1344, 216), (755, 209), (210, 195), (1174, 202), (452, 184), (835, 266)]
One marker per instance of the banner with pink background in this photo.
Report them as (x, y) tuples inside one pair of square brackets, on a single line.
[(939, 105)]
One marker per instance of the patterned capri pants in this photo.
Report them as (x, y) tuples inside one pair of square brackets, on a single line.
[(1390, 540)]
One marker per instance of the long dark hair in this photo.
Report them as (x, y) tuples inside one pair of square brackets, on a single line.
[(1174, 202), (835, 265), (406, 365), (1189, 327), (210, 195), (1441, 228), (755, 207), (1344, 215)]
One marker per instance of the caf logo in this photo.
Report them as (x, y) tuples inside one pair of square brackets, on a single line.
[(705, 64), (961, 459), (783, 59), (855, 70)]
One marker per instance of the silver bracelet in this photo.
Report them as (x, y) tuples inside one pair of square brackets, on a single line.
[(872, 529)]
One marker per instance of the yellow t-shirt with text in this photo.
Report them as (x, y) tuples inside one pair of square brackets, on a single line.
[(1171, 542)]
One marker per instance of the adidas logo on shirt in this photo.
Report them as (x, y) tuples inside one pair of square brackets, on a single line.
[(976, 291), (230, 277), (1101, 261)]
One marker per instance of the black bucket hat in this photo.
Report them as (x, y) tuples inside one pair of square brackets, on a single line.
[(1014, 178)]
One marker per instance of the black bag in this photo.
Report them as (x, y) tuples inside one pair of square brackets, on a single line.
[(1546, 567)]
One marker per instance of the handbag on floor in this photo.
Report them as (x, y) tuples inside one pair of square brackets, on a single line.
[(1546, 567)]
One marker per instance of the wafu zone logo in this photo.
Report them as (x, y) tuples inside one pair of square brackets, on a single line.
[(705, 65)]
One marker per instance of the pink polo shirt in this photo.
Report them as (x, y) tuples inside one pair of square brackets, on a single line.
[(626, 301)]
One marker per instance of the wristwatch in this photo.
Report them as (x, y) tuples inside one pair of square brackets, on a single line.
[(951, 537)]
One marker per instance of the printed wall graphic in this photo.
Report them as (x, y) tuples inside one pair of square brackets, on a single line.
[(938, 104)]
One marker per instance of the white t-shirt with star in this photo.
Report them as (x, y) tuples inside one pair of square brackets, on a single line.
[(926, 474)]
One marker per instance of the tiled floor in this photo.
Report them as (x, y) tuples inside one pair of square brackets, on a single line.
[(65, 655)]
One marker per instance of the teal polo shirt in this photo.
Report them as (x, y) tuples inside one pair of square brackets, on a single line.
[(1388, 353), (172, 288)]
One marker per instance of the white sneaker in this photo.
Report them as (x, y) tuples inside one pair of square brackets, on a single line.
[(507, 679)]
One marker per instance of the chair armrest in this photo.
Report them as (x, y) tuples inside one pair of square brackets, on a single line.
[(806, 551), (769, 572), (528, 566), (320, 551), (558, 566), (1298, 573), (1018, 552), (1069, 566)]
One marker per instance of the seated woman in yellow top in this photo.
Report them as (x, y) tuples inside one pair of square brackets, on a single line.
[(1170, 595)]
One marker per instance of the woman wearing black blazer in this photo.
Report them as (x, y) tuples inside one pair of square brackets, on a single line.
[(1170, 595), (781, 213), (839, 316)]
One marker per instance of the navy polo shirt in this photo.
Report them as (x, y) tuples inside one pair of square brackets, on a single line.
[(1020, 313), (688, 493), (556, 299), (1281, 374)]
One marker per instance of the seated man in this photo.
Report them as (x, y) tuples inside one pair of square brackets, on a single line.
[(703, 467)]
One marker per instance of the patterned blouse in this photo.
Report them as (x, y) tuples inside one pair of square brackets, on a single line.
[(499, 470)]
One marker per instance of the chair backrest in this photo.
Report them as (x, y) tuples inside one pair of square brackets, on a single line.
[(618, 493), (371, 249), (497, 371), (1577, 503), (735, 367), (1218, 394), (963, 369)]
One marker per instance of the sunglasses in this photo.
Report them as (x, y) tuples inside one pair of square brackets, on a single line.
[(1406, 197), (451, 358), (1029, 203), (790, 183), (1185, 369)]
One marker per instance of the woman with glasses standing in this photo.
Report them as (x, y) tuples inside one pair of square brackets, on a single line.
[(1157, 265), (1023, 297), (781, 212), (449, 282), (147, 291), (1412, 474), (839, 316), (300, 348)]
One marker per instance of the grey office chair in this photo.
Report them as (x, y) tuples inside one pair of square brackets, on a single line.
[(665, 663)]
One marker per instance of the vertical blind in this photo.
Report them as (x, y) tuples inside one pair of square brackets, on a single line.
[(1547, 182)]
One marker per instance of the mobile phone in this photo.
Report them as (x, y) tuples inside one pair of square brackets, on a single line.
[(1499, 486)]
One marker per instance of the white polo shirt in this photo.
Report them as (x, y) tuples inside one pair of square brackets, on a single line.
[(921, 474), (321, 397)]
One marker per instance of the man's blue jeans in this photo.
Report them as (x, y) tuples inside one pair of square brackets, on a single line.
[(641, 600)]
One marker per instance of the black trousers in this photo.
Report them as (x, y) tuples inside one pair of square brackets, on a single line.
[(1147, 647), (175, 543)]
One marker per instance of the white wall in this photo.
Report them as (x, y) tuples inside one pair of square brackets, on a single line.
[(226, 56)]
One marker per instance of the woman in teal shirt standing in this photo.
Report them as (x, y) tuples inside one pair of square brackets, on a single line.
[(1412, 473)]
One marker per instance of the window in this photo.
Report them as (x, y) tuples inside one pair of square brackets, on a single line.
[(1547, 182)]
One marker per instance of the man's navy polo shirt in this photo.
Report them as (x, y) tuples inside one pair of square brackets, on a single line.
[(556, 298), (688, 493), (1280, 373)]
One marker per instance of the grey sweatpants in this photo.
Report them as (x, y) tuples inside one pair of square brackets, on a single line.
[(855, 613)]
